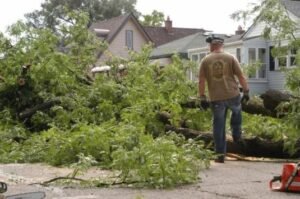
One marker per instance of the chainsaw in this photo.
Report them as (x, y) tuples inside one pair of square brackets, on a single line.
[(289, 179), (31, 195)]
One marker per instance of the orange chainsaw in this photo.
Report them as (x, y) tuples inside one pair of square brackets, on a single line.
[(289, 180)]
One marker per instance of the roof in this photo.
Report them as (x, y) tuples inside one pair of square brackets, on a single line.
[(115, 24), (160, 35), (233, 38), (293, 6), (179, 46)]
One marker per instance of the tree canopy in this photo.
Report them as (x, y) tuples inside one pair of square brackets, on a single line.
[(54, 12), (156, 18)]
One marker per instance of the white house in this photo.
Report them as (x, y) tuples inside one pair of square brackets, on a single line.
[(250, 47)]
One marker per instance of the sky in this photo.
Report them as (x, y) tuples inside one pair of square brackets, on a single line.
[(211, 15)]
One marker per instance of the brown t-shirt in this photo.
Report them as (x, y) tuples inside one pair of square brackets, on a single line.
[(220, 70)]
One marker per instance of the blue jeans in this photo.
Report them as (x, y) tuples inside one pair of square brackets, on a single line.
[(220, 109)]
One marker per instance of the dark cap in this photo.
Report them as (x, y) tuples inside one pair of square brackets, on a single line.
[(214, 39)]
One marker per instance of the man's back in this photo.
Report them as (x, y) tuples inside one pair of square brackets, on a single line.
[(220, 70)]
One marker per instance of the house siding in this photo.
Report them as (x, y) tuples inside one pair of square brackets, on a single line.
[(255, 31), (118, 45), (276, 80), (232, 49), (257, 87)]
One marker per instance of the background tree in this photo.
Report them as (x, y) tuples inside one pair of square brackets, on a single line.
[(156, 18), (54, 12)]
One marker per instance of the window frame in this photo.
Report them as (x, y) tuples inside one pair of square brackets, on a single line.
[(288, 57), (238, 54), (129, 39), (257, 58), (200, 56)]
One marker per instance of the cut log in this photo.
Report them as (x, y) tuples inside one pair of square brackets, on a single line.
[(272, 98), (29, 112), (251, 147), (252, 107), (164, 117)]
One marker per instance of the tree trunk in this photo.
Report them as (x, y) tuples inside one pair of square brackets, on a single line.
[(255, 108), (272, 98), (251, 147), (29, 112)]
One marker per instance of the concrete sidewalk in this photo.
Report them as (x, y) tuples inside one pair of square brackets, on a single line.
[(234, 179)]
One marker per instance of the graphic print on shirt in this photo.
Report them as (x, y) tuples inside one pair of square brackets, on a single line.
[(217, 70)]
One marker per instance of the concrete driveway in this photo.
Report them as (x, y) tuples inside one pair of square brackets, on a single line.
[(234, 179)]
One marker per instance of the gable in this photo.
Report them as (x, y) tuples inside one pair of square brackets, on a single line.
[(118, 44), (114, 25), (255, 30), (293, 11), (113, 31)]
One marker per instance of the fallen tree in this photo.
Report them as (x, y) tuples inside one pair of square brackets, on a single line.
[(252, 146), (31, 111), (252, 107), (255, 146), (272, 98), (267, 107)]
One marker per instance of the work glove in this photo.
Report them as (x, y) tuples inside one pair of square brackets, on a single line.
[(245, 97), (3, 187), (204, 103)]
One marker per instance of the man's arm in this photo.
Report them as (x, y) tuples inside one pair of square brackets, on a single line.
[(240, 75), (243, 82), (201, 82), (245, 87)]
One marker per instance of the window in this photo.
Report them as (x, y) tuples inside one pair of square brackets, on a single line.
[(202, 55), (238, 54), (129, 39), (251, 60), (262, 60), (292, 58), (198, 57), (281, 62), (286, 61), (251, 55), (193, 74), (195, 57), (272, 59), (257, 57)]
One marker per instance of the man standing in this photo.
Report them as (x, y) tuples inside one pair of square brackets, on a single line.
[(220, 70)]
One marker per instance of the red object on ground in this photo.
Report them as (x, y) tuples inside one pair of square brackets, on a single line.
[(289, 180)]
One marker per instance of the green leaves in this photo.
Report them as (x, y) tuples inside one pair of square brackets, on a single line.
[(161, 162), (113, 120), (156, 18), (55, 13)]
